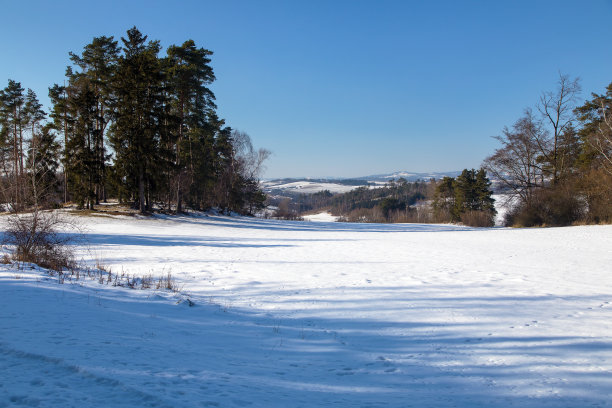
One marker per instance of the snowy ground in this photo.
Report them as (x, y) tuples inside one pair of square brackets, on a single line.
[(320, 217), (301, 314)]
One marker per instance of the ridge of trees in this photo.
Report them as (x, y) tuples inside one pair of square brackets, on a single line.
[(467, 199), (394, 196), (130, 124)]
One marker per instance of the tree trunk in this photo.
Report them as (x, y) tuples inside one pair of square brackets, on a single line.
[(141, 191)]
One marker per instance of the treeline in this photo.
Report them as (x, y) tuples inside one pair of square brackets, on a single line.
[(388, 203), (555, 163), (466, 198), (385, 201), (130, 124)]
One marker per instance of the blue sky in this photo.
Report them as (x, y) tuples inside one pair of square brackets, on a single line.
[(345, 88)]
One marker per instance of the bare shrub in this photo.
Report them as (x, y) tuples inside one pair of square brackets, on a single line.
[(478, 218), (557, 206), (365, 215), (421, 214), (37, 238), (285, 211), (596, 186)]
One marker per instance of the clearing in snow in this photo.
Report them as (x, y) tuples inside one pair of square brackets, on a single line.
[(303, 314)]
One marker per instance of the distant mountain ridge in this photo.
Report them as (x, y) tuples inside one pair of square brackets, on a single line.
[(307, 185), (411, 176)]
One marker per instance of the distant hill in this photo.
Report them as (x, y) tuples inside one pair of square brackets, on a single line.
[(305, 185), (411, 176)]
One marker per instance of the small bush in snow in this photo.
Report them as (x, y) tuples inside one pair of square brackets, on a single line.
[(36, 238)]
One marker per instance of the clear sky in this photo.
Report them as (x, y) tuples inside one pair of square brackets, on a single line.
[(344, 88)]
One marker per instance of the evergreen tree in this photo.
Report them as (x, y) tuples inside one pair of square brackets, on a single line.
[(139, 107), (483, 193), (12, 119), (97, 66), (469, 192), (465, 192), (157, 115), (33, 114), (596, 133), (80, 164), (62, 124), (189, 74), (444, 200)]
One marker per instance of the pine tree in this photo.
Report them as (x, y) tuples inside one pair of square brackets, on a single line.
[(97, 66), (444, 200), (473, 192), (62, 124), (469, 192), (80, 162), (158, 116), (13, 118), (465, 193), (136, 131), (34, 115), (192, 102), (483, 193)]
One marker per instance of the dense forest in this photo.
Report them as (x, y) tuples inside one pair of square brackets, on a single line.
[(130, 124)]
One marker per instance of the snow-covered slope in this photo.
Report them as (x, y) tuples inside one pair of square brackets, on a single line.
[(299, 314), (411, 176), (336, 185), (305, 186)]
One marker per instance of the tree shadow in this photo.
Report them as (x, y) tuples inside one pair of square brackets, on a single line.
[(268, 359)]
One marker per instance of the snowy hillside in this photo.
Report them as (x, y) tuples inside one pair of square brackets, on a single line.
[(411, 176), (299, 314), (336, 185), (305, 186)]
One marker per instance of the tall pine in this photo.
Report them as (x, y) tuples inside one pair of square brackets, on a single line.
[(138, 117)]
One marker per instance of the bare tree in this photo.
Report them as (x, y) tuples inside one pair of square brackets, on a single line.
[(250, 160), (557, 108), (517, 163)]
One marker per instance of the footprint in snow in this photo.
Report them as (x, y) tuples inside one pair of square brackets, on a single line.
[(346, 371)]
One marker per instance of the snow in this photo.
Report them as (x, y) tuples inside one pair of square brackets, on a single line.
[(307, 187), (305, 314), (320, 217), (503, 204)]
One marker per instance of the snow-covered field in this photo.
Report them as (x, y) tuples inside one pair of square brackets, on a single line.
[(306, 187), (302, 314), (321, 217)]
